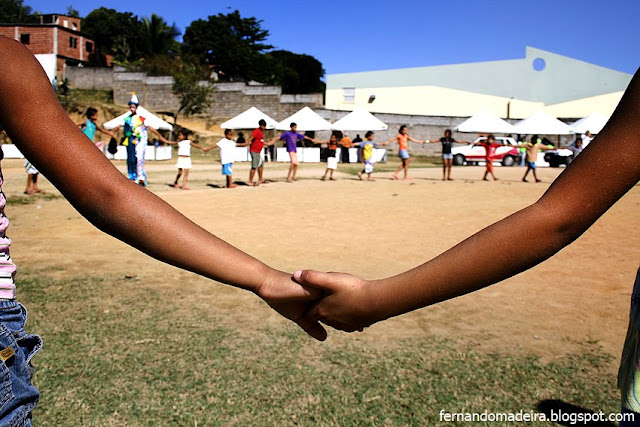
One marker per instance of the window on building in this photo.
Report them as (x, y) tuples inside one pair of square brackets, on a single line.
[(89, 47), (25, 38), (73, 42), (65, 23), (74, 25), (349, 94)]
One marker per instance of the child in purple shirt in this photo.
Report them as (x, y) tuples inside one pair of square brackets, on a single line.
[(291, 139)]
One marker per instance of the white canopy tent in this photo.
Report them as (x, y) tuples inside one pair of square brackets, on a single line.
[(249, 120), (306, 119), (359, 120), (150, 119), (485, 122), (593, 123), (542, 123)]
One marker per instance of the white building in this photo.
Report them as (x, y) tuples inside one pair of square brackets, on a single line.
[(517, 88)]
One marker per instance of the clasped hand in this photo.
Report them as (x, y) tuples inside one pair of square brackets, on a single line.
[(309, 298)]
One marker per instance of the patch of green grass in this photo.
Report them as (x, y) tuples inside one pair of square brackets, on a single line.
[(91, 96), (27, 200), (118, 352)]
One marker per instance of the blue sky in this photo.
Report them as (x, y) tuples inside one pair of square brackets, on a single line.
[(358, 35)]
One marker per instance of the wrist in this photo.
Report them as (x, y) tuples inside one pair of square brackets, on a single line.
[(378, 301), (264, 284)]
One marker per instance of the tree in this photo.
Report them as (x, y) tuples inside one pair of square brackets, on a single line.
[(16, 12), (115, 33), (230, 44), (296, 73), (71, 11), (157, 37), (193, 92)]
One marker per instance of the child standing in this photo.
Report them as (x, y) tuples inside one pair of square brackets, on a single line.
[(226, 146), (256, 143), (89, 127), (184, 156), (447, 157), (332, 161), (367, 154), (490, 146), (403, 150), (532, 148), (291, 139)]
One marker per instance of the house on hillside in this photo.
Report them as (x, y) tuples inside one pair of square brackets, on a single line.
[(57, 41)]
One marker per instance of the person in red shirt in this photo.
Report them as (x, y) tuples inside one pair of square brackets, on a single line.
[(490, 146), (256, 142)]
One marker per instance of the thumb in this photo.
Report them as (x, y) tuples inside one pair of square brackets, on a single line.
[(316, 279), (313, 328)]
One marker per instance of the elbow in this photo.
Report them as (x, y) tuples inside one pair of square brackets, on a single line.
[(564, 224), (99, 204)]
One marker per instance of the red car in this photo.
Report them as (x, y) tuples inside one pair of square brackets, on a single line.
[(472, 154)]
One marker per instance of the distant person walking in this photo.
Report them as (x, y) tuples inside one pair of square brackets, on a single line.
[(447, 157), (403, 150)]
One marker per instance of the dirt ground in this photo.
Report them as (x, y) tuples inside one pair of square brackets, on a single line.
[(373, 229)]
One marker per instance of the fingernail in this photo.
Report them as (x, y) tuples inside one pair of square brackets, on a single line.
[(297, 274)]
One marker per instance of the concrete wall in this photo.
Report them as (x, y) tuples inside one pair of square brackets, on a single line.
[(90, 77), (229, 99)]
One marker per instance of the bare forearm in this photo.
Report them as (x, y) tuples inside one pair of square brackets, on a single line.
[(160, 231), (473, 264)]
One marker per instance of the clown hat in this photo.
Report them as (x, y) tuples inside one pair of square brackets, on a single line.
[(134, 99)]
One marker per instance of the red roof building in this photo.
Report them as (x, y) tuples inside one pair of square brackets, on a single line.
[(58, 35)]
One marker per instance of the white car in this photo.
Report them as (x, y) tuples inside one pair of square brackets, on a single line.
[(474, 153)]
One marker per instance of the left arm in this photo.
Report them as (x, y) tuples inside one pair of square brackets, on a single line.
[(106, 132), (162, 138), (193, 144)]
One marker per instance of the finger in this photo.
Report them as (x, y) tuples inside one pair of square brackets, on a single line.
[(314, 316), (317, 279), (301, 292), (313, 328)]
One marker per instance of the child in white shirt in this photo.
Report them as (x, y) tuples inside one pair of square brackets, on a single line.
[(184, 156), (227, 146)]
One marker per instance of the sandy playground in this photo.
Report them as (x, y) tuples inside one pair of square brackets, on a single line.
[(373, 229)]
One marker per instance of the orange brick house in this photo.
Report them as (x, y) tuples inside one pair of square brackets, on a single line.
[(57, 37)]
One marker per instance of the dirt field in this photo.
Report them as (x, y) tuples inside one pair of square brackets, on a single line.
[(373, 229)]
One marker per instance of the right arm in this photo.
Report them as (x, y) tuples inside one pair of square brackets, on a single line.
[(390, 140), (577, 198)]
